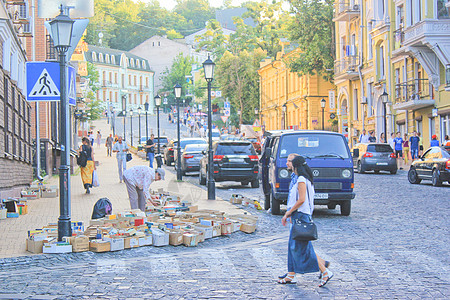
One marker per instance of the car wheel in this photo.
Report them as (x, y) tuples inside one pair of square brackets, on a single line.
[(201, 179), (275, 205), (266, 202), (394, 171), (346, 207), (360, 168), (376, 171), (331, 205), (255, 183), (435, 180), (244, 182), (412, 176)]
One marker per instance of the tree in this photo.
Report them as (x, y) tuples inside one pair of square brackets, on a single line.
[(197, 11), (312, 28), (238, 78), (213, 40), (181, 67)]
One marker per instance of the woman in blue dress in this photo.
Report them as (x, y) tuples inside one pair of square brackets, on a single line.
[(301, 256)]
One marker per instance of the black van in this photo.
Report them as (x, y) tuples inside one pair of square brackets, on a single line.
[(328, 156)]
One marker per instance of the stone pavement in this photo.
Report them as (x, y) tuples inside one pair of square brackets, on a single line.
[(13, 231)]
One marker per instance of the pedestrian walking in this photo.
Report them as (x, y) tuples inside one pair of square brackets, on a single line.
[(98, 139), (434, 141), (91, 138), (382, 138), (398, 147), (414, 145), (121, 148), (372, 137), (109, 144), (138, 180), (301, 255), (420, 144), (405, 147), (150, 148), (364, 138), (86, 172)]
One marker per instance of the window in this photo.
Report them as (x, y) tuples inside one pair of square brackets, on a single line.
[(107, 58), (143, 64), (94, 56), (137, 63), (445, 126), (113, 59), (115, 77), (443, 11), (314, 145), (355, 104), (369, 47), (100, 57), (419, 126), (432, 126), (381, 63), (370, 107)]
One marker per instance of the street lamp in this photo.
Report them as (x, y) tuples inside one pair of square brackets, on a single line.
[(61, 28), (177, 91), (146, 120), (131, 126), (158, 104), (323, 102), (284, 108), (208, 67), (385, 99), (139, 114), (124, 113)]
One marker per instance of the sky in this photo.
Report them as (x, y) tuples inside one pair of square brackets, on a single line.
[(169, 4)]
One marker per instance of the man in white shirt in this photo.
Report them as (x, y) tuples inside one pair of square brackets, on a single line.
[(121, 148), (138, 180), (364, 138)]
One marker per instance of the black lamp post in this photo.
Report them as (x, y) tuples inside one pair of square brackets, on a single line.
[(124, 113), (177, 90), (61, 28), (208, 67), (385, 100), (146, 120), (139, 114), (284, 108), (323, 102), (158, 155), (131, 126)]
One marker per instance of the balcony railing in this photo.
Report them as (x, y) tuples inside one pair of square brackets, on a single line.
[(345, 9), (399, 38), (414, 89), (106, 83), (346, 65)]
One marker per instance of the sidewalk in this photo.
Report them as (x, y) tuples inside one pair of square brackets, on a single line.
[(13, 232)]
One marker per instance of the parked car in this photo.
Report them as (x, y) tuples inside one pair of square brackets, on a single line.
[(326, 153), (374, 157), (163, 140), (233, 161), (256, 144), (190, 159), (170, 153), (215, 135), (433, 165)]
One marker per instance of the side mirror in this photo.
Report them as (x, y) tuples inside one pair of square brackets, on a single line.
[(268, 153), (355, 153)]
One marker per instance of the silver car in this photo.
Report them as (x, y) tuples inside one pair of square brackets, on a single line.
[(190, 159)]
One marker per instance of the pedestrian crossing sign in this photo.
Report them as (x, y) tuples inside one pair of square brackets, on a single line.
[(43, 81), (72, 86)]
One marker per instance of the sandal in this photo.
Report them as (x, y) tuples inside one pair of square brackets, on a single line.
[(283, 276), (327, 264), (288, 279), (328, 275)]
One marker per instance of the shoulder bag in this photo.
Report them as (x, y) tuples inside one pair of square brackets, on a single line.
[(129, 157), (304, 231)]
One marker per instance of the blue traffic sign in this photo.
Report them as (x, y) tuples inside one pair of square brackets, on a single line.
[(72, 86), (226, 105), (43, 81)]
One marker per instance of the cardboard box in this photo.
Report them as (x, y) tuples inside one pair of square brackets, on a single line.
[(160, 238), (190, 239), (79, 243), (236, 225), (145, 240), (49, 193), (3, 213), (226, 227), (217, 230), (99, 246), (248, 227), (117, 243), (57, 248), (131, 242), (22, 209), (207, 230), (35, 246), (193, 208), (175, 237)]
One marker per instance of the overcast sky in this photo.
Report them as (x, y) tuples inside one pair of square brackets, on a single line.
[(169, 4)]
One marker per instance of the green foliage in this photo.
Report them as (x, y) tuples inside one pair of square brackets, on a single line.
[(93, 76), (313, 29), (94, 107), (181, 67), (197, 11)]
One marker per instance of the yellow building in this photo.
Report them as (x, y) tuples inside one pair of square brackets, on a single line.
[(396, 47), (290, 101)]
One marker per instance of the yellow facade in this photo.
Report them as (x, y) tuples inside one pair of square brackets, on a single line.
[(300, 95), (397, 47)]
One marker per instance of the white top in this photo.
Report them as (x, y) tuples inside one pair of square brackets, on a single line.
[(364, 138), (120, 147), (141, 177), (308, 206)]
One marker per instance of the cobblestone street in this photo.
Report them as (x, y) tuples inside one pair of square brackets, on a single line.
[(393, 245)]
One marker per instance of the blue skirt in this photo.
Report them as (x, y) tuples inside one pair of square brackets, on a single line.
[(301, 256)]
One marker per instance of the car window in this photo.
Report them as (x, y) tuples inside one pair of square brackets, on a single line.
[(275, 146), (215, 134), (162, 140), (446, 153), (314, 145), (235, 149), (187, 142), (427, 154), (379, 148), (195, 148)]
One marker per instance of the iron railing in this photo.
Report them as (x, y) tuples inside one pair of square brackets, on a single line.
[(348, 64), (342, 8), (399, 38), (414, 89)]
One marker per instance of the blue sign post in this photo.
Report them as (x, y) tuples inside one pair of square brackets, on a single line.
[(43, 81), (72, 84)]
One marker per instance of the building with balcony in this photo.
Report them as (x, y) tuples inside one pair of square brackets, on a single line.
[(122, 75), (291, 101), (398, 47)]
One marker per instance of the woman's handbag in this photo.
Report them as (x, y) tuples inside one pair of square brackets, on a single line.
[(302, 231), (129, 157)]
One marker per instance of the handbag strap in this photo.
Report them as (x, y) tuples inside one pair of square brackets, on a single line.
[(309, 201)]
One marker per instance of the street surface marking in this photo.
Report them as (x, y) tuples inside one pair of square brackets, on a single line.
[(44, 86)]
